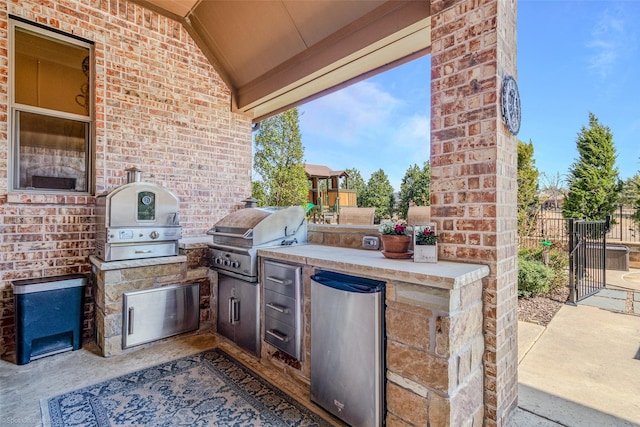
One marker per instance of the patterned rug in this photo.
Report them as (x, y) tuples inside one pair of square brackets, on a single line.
[(206, 389)]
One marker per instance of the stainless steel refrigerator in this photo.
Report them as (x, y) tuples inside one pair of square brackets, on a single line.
[(347, 347)]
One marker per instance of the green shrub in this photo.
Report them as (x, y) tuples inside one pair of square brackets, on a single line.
[(534, 277), (558, 262)]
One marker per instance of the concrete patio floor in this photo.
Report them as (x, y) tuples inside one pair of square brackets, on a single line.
[(583, 369)]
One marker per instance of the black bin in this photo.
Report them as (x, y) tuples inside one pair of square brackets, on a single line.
[(48, 315)]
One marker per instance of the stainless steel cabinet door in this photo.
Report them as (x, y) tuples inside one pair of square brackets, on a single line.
[(238, 312)]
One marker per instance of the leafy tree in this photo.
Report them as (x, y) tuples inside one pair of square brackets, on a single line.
[(633, 186), (630, 193), (278, 159), (552, 187), (379, 194), (415, 187), (257, 192), (593, 180), (354, 182), (527, 188)]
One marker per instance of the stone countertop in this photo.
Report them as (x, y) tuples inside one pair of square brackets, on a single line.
[(195, 242), (132, 263), (372, 264)]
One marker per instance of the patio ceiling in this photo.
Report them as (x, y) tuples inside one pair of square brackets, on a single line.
[(276, 54)]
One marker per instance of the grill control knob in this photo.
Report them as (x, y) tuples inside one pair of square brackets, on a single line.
[(235, 264), (154, 234), (227, 263), (218, 260)]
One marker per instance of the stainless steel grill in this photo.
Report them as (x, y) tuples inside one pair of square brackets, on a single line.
[(238, 236), (137, 220)]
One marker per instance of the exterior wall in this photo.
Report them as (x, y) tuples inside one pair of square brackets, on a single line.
[(473, 172), (160, 106)]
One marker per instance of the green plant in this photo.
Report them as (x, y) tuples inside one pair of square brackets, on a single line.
[(558, 263), (425, 235), (534, 278)]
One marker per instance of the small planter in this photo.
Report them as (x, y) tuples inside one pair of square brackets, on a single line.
[(396, 246), (425, 253), (425, 244)]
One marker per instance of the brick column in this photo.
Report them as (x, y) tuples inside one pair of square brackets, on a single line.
[(473, 172)]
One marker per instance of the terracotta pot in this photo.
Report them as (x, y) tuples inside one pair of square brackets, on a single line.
[(395, 243)]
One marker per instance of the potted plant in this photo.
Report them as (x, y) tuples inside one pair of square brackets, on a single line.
[(426, 243), (395, 240)]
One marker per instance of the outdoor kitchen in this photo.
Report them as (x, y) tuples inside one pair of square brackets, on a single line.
[(151, 219)]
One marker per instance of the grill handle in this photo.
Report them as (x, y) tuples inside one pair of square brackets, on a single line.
[(220, 233)]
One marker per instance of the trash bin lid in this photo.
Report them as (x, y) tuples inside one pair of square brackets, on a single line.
[(42, 284)]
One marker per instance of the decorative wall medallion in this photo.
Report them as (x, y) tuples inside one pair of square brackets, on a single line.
[(511, 105)]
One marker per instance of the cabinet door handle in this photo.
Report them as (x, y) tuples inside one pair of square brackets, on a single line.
[(280, 281), (234, 312), (278, 335), (130, 321), (277, 307)]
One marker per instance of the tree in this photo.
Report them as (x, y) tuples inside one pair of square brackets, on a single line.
[(379, 194), (354, 182), (527, 188), (415, 187), (278, 159), (593, 180), (551, 188), (630, 193), (257, 192)]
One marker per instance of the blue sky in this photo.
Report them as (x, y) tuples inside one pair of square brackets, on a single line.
[(574, 57)]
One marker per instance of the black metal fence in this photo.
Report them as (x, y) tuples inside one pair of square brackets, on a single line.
[(549, 226)]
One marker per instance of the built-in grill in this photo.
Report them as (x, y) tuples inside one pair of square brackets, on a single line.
[(238, 236), (233, 254), (137, 220)]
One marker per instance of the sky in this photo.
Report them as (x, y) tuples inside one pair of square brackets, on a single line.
[(574, 57)]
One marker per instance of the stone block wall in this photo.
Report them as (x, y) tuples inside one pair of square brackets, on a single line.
[(159, 106), (435, 347), (110, 283)]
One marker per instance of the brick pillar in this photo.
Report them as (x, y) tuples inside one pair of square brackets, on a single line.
[(473, 172)]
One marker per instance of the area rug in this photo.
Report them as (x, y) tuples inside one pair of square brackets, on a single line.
[(206, 389)]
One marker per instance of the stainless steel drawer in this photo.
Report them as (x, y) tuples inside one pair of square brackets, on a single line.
[(281, 278), (280, 307), (281, 336)]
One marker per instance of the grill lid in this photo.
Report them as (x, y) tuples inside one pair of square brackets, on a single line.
[(260, 226)]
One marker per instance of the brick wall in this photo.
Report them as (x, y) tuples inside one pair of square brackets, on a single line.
[(473, 172), (160, 106)]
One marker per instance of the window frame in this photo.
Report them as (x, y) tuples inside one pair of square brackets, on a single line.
[(14, 108)]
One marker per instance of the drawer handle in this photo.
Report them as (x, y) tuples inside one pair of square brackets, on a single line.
[(279, 281), (278, 308), (278, 335)]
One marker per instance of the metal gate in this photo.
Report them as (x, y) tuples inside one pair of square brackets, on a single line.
[(587, 262)]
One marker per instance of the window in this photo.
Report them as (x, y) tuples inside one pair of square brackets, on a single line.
[(50, 110)]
